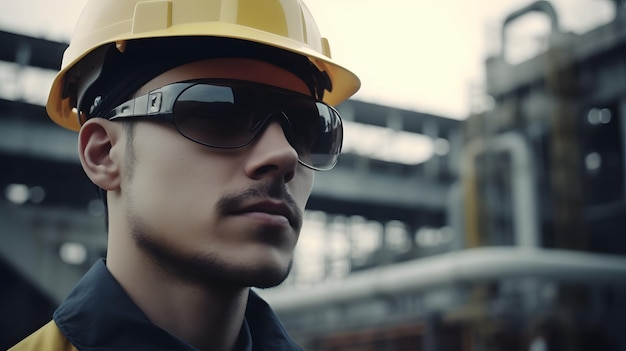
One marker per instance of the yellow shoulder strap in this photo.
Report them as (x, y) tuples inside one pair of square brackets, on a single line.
[(47, 338)]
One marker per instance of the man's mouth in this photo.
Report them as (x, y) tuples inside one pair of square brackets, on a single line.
[(271, 210)]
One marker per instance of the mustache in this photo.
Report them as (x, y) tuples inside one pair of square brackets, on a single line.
[(229, 203)]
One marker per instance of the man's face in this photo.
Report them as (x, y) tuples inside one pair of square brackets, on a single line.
[(214, 215)]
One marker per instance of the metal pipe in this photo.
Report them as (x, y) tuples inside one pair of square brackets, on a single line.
[(524, 189), (540, 6), (467, 266)]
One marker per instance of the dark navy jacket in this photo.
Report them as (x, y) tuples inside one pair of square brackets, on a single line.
[(99, 315)]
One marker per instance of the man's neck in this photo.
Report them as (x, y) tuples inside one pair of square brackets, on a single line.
[(206, 316)]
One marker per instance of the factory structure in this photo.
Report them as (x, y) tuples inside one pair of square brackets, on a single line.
[(510, 236)]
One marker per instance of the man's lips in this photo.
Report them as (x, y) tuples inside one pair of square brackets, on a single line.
[(272, 208)]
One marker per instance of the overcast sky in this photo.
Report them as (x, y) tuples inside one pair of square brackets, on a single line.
[(414, 54)]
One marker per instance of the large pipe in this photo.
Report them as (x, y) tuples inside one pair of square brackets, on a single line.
[(467, 266), (524, 188), (540, 6)]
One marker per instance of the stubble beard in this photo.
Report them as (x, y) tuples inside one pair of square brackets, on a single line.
[(212, 268), (206, 269)]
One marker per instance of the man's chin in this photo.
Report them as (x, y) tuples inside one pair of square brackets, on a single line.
[(261, 276), (268, 278)]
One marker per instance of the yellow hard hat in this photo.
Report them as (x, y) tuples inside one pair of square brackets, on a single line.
[(281, 24)]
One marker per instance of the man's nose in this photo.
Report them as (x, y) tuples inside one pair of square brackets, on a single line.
[(272, 155)]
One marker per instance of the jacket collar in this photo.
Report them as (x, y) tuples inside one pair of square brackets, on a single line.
[(99, 315)]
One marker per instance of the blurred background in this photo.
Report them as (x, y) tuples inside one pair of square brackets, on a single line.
[(480, 203)]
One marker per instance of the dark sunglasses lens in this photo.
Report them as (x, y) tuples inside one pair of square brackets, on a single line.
[(317, 133), (210, 114), (229, 117)]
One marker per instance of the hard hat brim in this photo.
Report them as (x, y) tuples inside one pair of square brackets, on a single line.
[(344, 82)]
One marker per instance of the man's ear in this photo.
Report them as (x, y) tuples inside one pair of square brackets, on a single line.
[(100, 154)]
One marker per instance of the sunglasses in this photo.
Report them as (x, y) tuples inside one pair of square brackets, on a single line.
[(230, 114)]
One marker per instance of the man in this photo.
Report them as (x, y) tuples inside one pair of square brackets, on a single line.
[(202, 123)]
